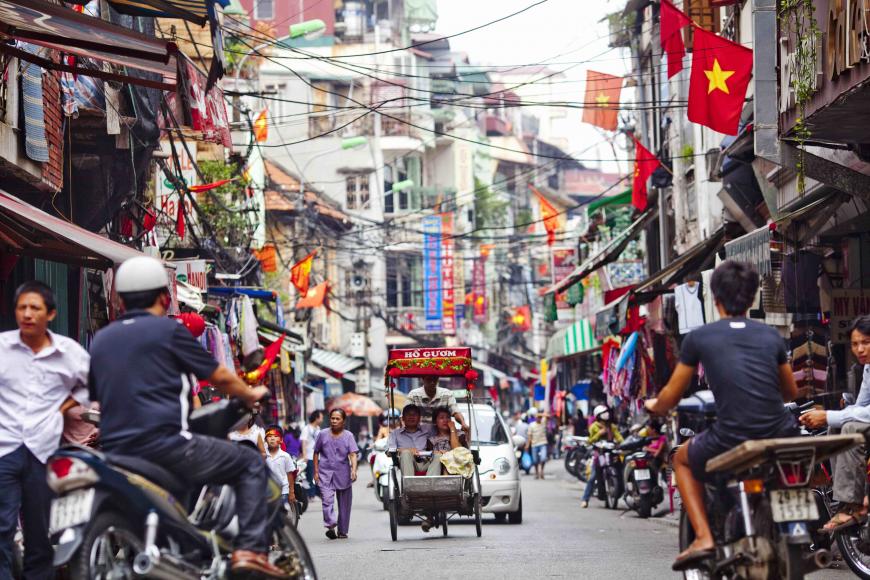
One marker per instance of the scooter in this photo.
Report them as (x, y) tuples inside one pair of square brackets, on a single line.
[(381, 465), (644, 484), (121, 517)]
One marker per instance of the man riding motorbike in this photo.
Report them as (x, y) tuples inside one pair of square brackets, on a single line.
[(747, 369), (602, 428), (142, 370)]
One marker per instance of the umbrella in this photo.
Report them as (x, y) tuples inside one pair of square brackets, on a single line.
[(357, 405)]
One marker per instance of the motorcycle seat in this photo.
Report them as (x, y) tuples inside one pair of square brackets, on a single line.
[(153, 472)]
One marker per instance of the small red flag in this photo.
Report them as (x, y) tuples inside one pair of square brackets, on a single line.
[(208, 186), (270, 353), (721, 71), (672, 23), (300, 273), (645, 163), (179, 219), (549, 215), (601, 105), (261, 127)]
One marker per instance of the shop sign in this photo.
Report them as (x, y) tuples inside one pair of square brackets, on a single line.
[(448, 291), (564, 262), (847, 36), (193, 272), (846, 305), (432, 291), (166, 198)]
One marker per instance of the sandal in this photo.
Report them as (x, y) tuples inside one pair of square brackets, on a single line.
[(692, 559), (848, 517)]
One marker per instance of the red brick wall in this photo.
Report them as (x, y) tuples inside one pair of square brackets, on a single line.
[(52, 170)]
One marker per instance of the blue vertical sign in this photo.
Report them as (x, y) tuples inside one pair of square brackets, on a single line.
[(432, 303)]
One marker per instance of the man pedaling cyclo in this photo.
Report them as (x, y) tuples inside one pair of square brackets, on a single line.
[(140, 373), (747, 369)]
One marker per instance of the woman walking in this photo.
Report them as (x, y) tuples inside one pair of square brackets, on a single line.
[(335, 461)]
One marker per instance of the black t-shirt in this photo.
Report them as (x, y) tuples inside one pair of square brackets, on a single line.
[(140, 373), (741, 360)]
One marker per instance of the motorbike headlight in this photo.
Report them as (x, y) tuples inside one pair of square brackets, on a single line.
[(501, 466)]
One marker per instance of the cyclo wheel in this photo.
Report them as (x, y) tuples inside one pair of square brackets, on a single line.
[(393, 508), (478, 523), (444, 523)]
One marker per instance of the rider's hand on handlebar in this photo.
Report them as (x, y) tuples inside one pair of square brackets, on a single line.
[(814, 419), (255, 395)]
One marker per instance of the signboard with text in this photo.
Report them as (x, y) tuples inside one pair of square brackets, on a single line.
[(432, 300), (194, 272), (448, 292), (846, 305)]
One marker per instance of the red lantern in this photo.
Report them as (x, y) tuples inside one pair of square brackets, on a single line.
[(192, 322), (395, 373), (470, 377)]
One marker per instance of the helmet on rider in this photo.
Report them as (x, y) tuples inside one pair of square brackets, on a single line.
[(601, 413), (140, 281)]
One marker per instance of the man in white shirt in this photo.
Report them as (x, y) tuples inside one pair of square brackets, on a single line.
[(308, 437), (430, 397), (42, 374)]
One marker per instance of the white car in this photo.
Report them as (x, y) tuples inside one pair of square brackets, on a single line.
[(499, 471)]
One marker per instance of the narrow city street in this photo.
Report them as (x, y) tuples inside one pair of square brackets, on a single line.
[(557, 539)]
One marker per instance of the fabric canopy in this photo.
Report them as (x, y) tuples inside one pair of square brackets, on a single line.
[(58, 28), (29, 231), (623, 198), (356, 405), (579, 337)]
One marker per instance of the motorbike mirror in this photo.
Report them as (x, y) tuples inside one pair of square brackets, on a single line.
[(518, 441), (686, 432)]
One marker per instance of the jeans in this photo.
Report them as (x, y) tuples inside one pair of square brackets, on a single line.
[(313, 488), (204, 460), (410, 464), (592, 482), (25, 491)]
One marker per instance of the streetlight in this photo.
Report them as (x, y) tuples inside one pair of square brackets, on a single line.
[(308, 29)]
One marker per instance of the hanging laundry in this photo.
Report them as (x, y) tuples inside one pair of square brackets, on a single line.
[(248, 326), (690, 310), (711, 314)]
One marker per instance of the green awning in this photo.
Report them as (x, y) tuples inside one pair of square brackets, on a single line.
[(623, 198), (579, 337)]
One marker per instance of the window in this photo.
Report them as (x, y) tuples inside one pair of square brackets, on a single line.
[(278, 107), (404, 283), (264, 9), (357, 189)]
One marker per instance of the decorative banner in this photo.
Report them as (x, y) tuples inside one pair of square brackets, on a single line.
[(448, 298), (432, 292), (478, 291), (193, 272)]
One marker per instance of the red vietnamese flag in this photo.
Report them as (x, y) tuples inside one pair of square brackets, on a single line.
[(721, 70), (300, 273), (672, 23), (645, 163), (601, 105), (549, 215), (261, 127)]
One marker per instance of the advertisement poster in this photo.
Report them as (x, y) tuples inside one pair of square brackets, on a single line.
[(193, 272), (448, 290), (432, 300)]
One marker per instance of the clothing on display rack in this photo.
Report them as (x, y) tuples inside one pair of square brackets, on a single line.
[(800, 279), (248, 326), (710, 312), (690, 310)]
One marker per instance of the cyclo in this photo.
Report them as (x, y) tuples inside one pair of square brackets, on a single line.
[(439, 498)]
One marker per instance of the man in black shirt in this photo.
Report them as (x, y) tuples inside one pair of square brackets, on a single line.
[(142, 369), (747, 370)]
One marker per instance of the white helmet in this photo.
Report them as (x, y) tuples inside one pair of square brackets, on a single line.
[(601, 412), (532, 412), (141, 274)]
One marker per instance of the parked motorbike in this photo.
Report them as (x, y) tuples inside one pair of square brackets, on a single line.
[(577, 451), (121, 517), (643, 475), (763, 509)]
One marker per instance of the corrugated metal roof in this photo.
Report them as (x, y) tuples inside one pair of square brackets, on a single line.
[(334, 361)]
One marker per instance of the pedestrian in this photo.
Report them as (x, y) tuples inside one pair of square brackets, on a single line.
[(309, 437), (536, 442), (42, 375), (281, 465), (293, 441), (252, 433), (335, 462)]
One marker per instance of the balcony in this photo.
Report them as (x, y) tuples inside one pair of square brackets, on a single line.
[(495, 125)]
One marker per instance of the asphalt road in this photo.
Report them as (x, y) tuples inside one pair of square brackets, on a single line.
[(557, 539)]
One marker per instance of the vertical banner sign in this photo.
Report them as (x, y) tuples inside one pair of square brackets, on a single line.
[(432, 303), (478, 290), (448, 292), (564, 262)]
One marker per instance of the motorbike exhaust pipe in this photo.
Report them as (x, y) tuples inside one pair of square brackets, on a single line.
[(818, 560), (163, 567)]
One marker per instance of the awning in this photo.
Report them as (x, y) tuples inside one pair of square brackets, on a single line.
[(335, 362), (59, 28), (752, 248), (623, 198), (690, 261), (610, 253), (190, 10), (29, 231), (577, 338), (488, 369)]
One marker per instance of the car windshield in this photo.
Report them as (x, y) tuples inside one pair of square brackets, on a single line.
[(488, 428)]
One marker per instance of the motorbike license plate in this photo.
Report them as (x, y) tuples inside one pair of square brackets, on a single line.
[(641, 474), (71, 510), (793, 505)]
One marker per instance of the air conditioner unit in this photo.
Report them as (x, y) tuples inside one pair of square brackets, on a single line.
[(358, 344)]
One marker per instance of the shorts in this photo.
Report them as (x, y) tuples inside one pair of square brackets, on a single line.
[(539, 454)]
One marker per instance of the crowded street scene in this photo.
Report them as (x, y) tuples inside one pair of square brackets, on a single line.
[(341, 289)]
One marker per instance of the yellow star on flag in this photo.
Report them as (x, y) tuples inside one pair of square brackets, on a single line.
[(717, 78), (602, 100)]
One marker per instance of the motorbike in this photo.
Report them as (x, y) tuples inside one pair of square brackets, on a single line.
[(610, 470), (381, 465), (762, 505), (643, 475), (577, 451), (119, 516)]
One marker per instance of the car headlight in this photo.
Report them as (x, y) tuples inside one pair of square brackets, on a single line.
[(501, 466)]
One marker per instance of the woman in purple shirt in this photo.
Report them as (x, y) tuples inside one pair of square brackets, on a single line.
[(335, 460)]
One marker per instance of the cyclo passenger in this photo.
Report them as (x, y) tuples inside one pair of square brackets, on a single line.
[(443, 438), (747, 370), (430, 397), (409, 441)]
